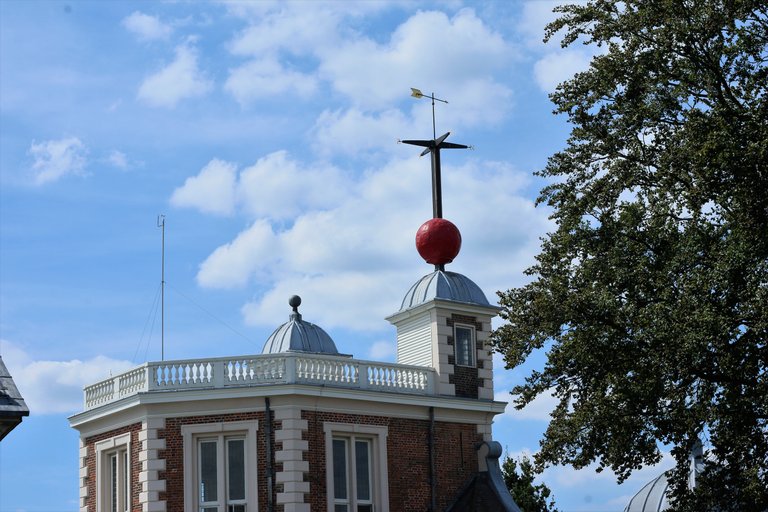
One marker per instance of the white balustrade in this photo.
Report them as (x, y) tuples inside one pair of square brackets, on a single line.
[(132, 381), (287, 368)]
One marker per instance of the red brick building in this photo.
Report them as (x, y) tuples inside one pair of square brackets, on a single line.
[(302, 428)]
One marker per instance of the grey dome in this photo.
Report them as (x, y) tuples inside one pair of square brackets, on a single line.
[(653, 496), (296, 335), (444, 285)]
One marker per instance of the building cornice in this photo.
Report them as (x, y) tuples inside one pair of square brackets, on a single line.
[(445, 304), (203, 401)]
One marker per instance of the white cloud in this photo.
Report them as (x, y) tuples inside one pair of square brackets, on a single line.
[(338, 300), (299, 28), (179, 80), (54, 159), (55, 387), (233, 264), (557, 67), (353, 132), (267, 77), (428, 48), (535, 16), (278, 187), (211, 191), (539, 409), (118, 159), (382, 351), (296, 30), (146, 27), (275, 186), (459, 52)]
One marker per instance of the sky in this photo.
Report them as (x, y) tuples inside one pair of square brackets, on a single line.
[(267, 135)]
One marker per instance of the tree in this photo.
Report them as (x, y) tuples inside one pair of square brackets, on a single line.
[(529, 497), (650, 296)]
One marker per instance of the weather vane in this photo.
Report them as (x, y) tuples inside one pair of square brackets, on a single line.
[(434, 146), (438, 240)]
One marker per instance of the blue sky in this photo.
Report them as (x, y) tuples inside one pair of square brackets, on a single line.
[(267, 134)]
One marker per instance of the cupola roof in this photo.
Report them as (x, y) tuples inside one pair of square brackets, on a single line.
[(297, 335), (444, 285)]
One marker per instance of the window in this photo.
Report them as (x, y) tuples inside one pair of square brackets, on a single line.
[(113, 469), (356, 468), (118, 481), (222, 458), (352, 474), (221, 475), (464, 345)]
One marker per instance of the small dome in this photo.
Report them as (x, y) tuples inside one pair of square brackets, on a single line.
[(653, 496), (296, 335), (444, 285)]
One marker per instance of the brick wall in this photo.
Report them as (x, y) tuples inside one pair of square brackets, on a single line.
[(466, 381), (407, 452), (408, 458), (90, 463)]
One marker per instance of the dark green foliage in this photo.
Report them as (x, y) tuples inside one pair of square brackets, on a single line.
[(651, 296), (528, 496)]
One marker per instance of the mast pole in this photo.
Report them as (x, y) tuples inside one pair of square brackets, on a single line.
[(434, 131), (161, 224)]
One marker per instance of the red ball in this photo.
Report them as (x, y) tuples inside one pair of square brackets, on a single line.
[(438, 241)]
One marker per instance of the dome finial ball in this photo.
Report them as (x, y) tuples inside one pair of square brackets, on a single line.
[(438, 241), (294, 302)]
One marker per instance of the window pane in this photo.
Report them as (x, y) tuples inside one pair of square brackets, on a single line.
[(365, 508), (340, 470), (113, 483), (340, 508), (236, 508), (236, 467), (363, 470), (208, 482), (126, 480), (464, 346)]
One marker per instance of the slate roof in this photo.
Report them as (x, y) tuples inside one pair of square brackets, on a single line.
[(12, 405), (485, 491)]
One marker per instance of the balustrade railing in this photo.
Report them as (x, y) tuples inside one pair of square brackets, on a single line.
[(288, 368)]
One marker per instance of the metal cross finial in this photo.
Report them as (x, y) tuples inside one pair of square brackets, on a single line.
[(434, 146)]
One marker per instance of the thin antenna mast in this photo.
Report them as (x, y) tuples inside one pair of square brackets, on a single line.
[(161, 224)]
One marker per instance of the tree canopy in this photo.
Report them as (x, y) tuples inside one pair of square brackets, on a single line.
[(518, 477), (650, 296)]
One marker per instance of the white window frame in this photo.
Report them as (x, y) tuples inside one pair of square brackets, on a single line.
[(472, 341), (379, 477), (118, 447), (193, 434)]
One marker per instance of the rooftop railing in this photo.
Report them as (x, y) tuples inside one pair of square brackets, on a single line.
[(287, 368)]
